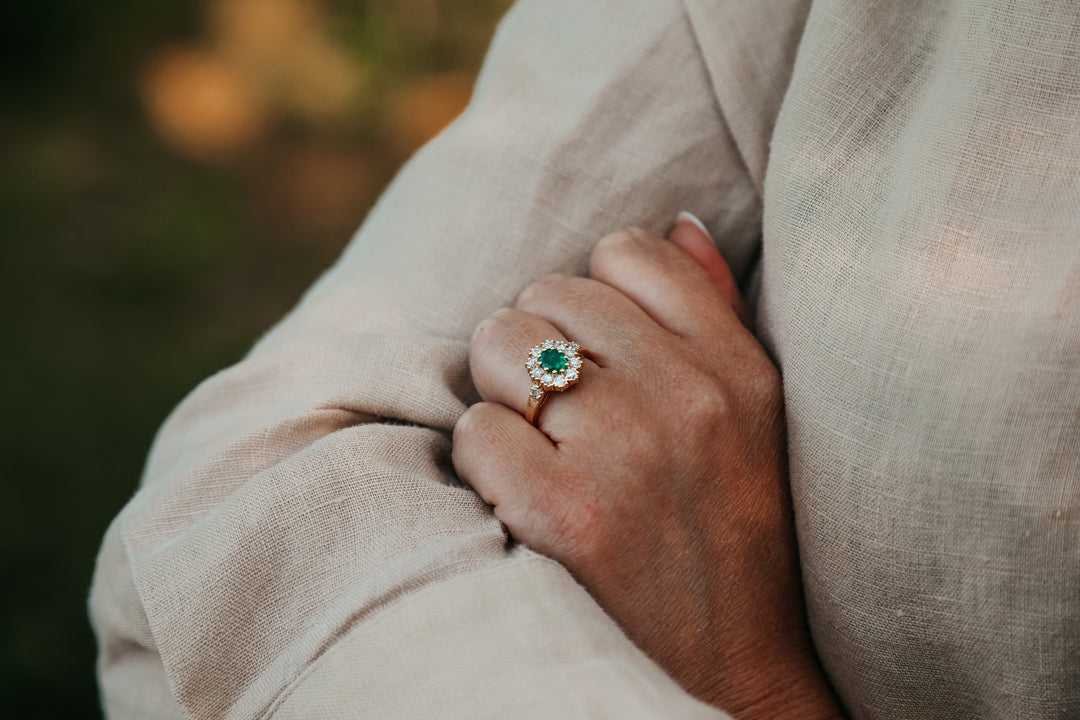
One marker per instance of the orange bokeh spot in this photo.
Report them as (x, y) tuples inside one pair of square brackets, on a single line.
[(423, 108), (199, 104)]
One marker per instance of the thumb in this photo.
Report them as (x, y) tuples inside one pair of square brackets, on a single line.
[(691, 235)]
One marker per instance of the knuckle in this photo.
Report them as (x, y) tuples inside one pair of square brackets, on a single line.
[(615, 246), (465, 429), (540, 289), (478, 428), (701, 398), (494, 325), (627, 239), (764, 388)]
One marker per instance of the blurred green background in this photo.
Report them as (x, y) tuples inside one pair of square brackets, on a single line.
[(174, 175)]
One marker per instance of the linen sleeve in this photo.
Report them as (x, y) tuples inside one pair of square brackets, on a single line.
[(299, 545)]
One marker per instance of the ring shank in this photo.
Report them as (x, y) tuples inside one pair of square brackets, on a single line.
[(532, 407)]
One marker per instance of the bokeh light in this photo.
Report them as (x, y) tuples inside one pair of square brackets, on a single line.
[(175, 175)]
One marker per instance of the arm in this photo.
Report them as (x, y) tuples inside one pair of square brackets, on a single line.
[(661, 482), (299, 515)]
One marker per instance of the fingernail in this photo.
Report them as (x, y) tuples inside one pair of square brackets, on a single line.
[(692, 218)]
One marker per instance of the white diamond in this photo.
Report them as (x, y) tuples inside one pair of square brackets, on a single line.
[(531, 362), (546, 379), (571, 374), (548, 344), (536, 372), (575, 362), (537, 392), (536, 352), (560, 381)]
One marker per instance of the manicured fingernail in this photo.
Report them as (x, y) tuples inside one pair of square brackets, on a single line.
[(691, 218)]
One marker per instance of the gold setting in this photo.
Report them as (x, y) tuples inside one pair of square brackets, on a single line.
[(553, 366)]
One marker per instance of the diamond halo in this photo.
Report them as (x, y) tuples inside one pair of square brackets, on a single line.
[(554, 365)]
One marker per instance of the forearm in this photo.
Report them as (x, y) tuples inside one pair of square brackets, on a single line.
[(294, 495)]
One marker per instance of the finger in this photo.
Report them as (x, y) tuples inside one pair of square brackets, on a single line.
[(663, 280), (692, 236), (597, 316), (497, 355), (505, 460)]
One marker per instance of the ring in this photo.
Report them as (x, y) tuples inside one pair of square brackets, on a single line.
[(553, 365)]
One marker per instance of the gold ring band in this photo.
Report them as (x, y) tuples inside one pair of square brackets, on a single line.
[(537, 396), (553, 366)]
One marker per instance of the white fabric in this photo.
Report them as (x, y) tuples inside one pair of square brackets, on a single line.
[(903, 179)]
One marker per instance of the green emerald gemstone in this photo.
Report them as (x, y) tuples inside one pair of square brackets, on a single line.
[(553, 361)]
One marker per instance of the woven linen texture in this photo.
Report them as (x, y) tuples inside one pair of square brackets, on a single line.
[(903, 180), (921, 291), (295, 498)]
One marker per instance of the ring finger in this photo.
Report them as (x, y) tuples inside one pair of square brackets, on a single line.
[(497, 355)]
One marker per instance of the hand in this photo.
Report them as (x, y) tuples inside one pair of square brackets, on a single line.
[(659, 480)]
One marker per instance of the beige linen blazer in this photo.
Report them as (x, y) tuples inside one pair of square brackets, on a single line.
[(898, 183)]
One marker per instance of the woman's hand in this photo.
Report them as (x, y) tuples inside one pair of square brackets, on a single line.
[(659, 480)]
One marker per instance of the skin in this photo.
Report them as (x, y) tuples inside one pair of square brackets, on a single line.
[(660, 480)]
